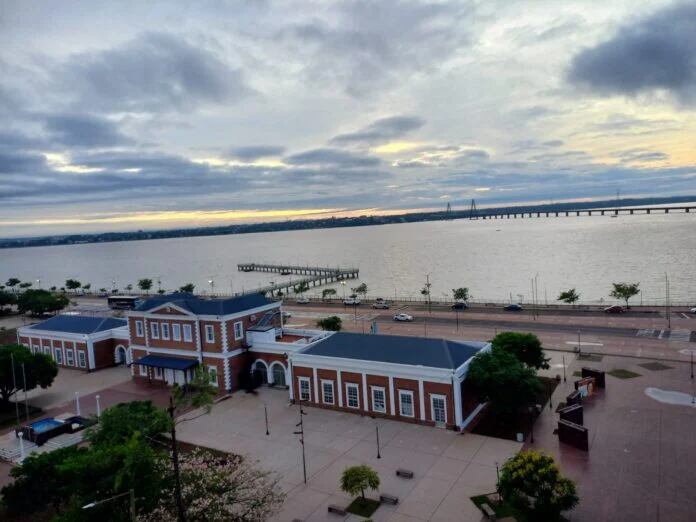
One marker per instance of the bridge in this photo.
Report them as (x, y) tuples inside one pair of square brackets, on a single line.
[(512, 214), (316, 276)]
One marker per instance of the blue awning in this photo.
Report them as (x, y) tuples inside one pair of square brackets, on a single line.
[(170, 363)]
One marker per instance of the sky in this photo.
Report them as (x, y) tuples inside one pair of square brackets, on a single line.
[(138, 115)]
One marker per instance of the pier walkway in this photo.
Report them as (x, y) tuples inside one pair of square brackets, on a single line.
[(316, 276), (508, 214)]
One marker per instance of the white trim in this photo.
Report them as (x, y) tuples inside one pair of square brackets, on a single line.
[(90, 354), (373, 389), (421, 399), (472, 415), (187, 338), (300, 380), (316, 385), (203, 317), (215, 383), (154, 329), (434, 396), (458, 418), (176, 332), (25, 331), (164, 327), (324, 382), (352, 386), (187, 353), (241, 330), (363, 384), (392, 410), (270, 372), (143, 370), (81, 363), (209, 334), (58, 354), (225, 341), (340, 389), (168, 305), (70, 361), (228, 377), (410, 394)]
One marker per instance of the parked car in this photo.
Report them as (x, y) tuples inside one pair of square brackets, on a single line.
[(286, 315), (513, 307), (403, 317), (352, 301), (615, 309), (693, 310), (460, 306), (380, 305), (302, 300)]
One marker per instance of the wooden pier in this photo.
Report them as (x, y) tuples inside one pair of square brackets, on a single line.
[(315, 276), (508, 214)]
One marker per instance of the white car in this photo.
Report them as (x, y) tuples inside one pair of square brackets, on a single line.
[(351, 301), (693, 310), (303, 300), (380, 305), (403, 317)]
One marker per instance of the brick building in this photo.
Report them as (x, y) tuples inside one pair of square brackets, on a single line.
[(79, 342)]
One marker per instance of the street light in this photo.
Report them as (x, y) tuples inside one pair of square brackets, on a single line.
[(130, 493), (343, 284), (531, 424)]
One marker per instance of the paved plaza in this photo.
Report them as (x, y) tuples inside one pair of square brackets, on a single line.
[(449, 467)]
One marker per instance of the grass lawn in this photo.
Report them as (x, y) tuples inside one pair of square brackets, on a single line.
[(502, 509), (620, 373), (363, 507), (577, 373), (590, 357)]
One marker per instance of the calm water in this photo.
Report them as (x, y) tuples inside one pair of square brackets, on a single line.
[(493, 258)]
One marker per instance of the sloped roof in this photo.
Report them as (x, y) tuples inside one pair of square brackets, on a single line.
[(78, 324), (199, 306), (172, 363), (397, 349)]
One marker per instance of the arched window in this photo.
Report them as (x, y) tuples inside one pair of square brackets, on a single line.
[(260, 368), (278, 375)]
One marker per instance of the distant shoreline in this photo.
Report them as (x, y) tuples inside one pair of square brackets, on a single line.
[(309, 224)]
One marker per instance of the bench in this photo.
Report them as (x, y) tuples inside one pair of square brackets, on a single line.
[(337, 510), (388, 499), (488, 511), (405, 473)]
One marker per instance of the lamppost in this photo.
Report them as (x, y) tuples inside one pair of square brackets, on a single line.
[(38, 283), (377, 432), (579, 347), (301, 434), (564, 374), (531, 424), (212, 285), (130, 493), (343, 284)]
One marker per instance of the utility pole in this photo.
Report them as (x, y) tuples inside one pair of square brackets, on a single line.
[(427, 289), (667, 312), (26, 404), (301, 434), (14, 385), (175, 459)]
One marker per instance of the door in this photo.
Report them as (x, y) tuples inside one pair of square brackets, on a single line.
[(169, 376), (438, 405)]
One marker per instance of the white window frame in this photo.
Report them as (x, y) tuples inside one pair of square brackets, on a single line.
[(209, 333), (434, 396), (154, 330), (324, 383), (82, 358), (47, 350), (213, 372), (238, 334), (176, 332), (139, 331), (69, 357), (352, 386), (58, 355), (301, 381), (164, 327), (374, 389), (35, 348), (159, 373), (410, 394), (143, 370), (188, 332)]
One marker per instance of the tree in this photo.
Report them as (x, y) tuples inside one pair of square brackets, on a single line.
[(533, 484), (525, 346), (361, 289), (357, 479), (145, 285), (625, 291), (460, 294), (25, 285), (332, 323), (499, 377), (187, 288), (118, 423), (72, 284), (6, 299), (39, 370), (326, 292), (219, 488), (87, 287), (569, 296), (12, 282), (129, 287), (40, 302), (302, 288)]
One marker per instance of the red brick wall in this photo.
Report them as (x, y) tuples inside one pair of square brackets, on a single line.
[(409, 385), (327, 375), (133, 331), (170, 343), (220, 365), (439, 389), (300, 371), (377, 380), (237, 364), (233, 344), (354, 378), (216, 345)]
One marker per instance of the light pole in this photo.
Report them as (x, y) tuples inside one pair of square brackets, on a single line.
[(564, 374), (77, 404), (377, 432), (579, 347), (98, 407), (343, 284), (667, 313), (265, 414), (38, 283), (531, 424), (427, 289), (301, 434), (130, 493), (212, 286)]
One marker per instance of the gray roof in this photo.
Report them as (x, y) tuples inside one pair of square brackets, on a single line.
[(78, 324), (415, 351), (200, 306)]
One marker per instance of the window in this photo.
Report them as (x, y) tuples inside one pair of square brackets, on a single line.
[(305, 394), (165, 331), (143, 370), (209, 333), (154, 330), (176, 332), (439, 408), (213, 373), (36, 349), (59, 355), (238, 330), (139, 329), (187, 333), (69, 357), (81, 359), (47, 350), (406, 403), (352, 393), (327, 391), (158, 373), (378, 400)]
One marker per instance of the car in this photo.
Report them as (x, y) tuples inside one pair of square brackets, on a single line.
[(403, 317), (513, 307), (287, 315), (460, 306), (380, 305), (352, 301), (693, 310), (615, 309), (302, 300)]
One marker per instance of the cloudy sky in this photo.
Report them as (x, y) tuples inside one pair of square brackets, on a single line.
[(128, 115)]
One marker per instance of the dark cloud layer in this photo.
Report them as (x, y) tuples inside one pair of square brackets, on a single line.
[(381, 130), (656, 52), (75, 130), (255, 152), (331, 158)]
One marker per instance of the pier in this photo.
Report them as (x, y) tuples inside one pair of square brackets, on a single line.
[(522, 214), (315, 275)]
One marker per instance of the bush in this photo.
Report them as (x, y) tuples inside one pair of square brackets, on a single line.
[(332, 323)]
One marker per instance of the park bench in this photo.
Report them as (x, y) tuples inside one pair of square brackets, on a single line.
[(337, 510), (384, 498), (488, 511), (405, 473)]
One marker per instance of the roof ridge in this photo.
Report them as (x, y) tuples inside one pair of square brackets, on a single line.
[(447, 351)]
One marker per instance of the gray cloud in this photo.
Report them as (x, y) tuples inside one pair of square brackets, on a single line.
[(254, 152), (654, 53), (640, 156), (152, 72), (82, 130), (332, 158), (382, 130)]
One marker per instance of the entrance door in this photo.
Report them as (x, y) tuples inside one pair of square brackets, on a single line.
[(179, 377), (169, 376), (438, 405)]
